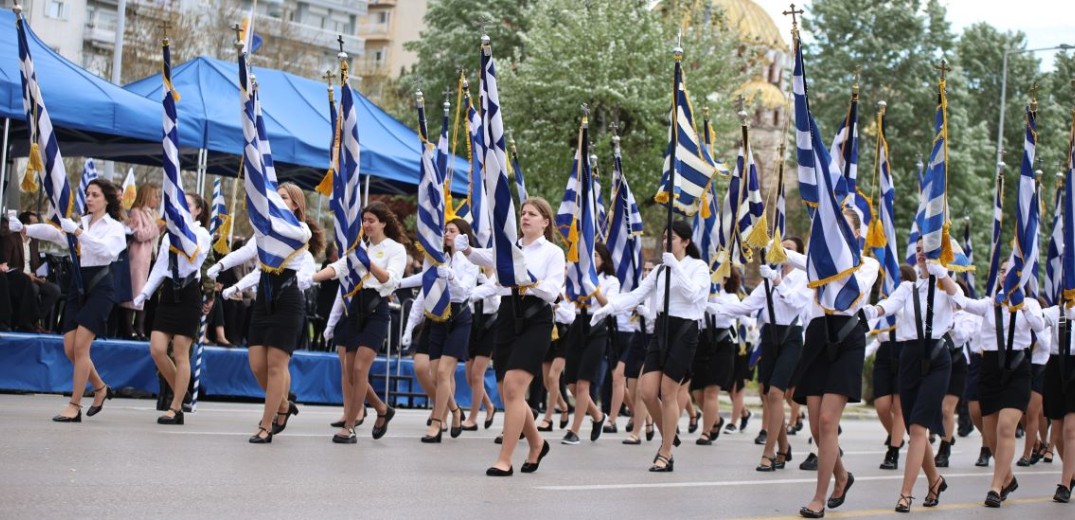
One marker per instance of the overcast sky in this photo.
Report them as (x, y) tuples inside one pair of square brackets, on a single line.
[(1047, 23)]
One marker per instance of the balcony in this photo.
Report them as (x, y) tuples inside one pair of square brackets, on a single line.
[(99, 34), (373, 31)]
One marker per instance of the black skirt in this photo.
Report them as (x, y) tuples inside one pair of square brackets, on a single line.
[(1037, 378), (831, 368), (886, 369), (673, 359), (921, 395), (741, 371), (179, 312), (636, 355), (558, 347), (714, 360), (92, 310), (481, 335), (974, 370), (1057, 400), (585, 350), (451, 337), (997, 390), (278, 312), (523, 335), (369, 319), (619, 343), (778, 361), (958, 382)]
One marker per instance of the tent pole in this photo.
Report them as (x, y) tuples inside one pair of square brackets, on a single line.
[(3, 167), (366, 198), (234, 191)]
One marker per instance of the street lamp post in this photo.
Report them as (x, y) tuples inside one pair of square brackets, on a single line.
[(1003, 91)]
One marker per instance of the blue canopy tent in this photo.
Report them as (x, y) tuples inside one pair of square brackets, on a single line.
[(297, 120)]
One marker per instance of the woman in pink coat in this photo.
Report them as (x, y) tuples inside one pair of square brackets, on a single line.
[(145, 222)]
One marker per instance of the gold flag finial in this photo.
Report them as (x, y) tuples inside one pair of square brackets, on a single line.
[(794, 19)]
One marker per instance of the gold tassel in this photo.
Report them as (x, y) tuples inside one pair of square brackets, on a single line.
[(221, 245), (33, 166), (724, 267), (706, 213), (573, 241), (449, 208), (325, 187), (555, 334), (776, 253), (661, 197), (759, 235), (946, 245), (875, 237)]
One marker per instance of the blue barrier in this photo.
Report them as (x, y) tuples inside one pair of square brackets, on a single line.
[(36, 363)]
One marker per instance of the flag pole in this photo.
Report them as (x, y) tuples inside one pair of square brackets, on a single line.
[(677, 78)]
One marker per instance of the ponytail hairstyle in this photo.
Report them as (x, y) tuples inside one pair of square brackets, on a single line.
[(114, 208), (392, 228), (683, 230), (203, 215), (607, 268)]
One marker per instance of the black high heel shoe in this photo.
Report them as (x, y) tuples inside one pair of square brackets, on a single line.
[(669, 464), (258, 439), (767, 467), (291, 410), (95, 409), (904, 504), (176, 419), (934, 496), (433, 439), (63, 418), (692, 424), (379, 431)]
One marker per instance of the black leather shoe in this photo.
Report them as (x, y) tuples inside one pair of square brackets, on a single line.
[(530, 467), (806, 512), (95, 409), (350, 438), (258, 439), (704, 440), (471, 428), (761, 438), (63, 418), (611, 428), (983, 458), (499, 439), (904, 504), (489, 422), (934, 496), (545, 426), (633, 441), (177, 418), (291, 410), (1063, 494), (598, 426), (669, 465), (810, 464), (892, 459), (992, 499), (1007, 490), (379, 431), (837, 501), (649, 432), (771, 466), (943, 454), (692, 425), (497, 472)]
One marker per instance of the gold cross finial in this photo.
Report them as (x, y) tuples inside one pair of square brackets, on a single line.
[(165, 25), (327, 76), (238, 35), (1034, 97), (855, 85), (794, 20), (482, 23), (944, 68)]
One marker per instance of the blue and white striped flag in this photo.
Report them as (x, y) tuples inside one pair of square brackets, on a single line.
[(430, 226), (1025, 248), (45, 158), (693, 164), (741, 222), (968, 275), (517, 171), (581, 274), (933, 200), (994, 250), (1068, 250), (833, 254), (914, 235), (510, 264), (219, 220), (599, 202), (278, 232), (477, 206), (1053, 264), (346, 190), (625, 226), (177, 219), (886, 252), (89, 173), (845, 155), (707, 232)]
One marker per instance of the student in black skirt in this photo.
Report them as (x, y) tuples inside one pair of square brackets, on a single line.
[(714, 359), (669, 356), (179, 309), (829, 376), (1059, 396), (886, 374), (925, 367), (1033, 418), (278, 314), (964, 326), (621, 333), (364, 326), (485, 303), (423, 369), (1004, 388), (101, 239), (552, 367)]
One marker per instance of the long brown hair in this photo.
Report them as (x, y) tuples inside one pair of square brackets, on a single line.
[(317, 236), (113, 206), (464, 229), (203, 215), (392, 228), (542, 206), (144, 191)]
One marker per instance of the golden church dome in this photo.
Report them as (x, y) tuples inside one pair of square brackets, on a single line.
[(752, 22)]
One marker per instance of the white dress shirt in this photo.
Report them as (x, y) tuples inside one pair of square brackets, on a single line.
[(865, 276), (544, 260), (488, 291), (249, 252), (609, 287), (901, 304), (1027, 319), (99, 244), (965, 327), (388, 255), (690, 288), (305, 269), (791, 299), (161, 270), (723, 299), (1051, 316)]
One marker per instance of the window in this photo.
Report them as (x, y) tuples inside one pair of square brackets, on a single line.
[(56, 9), (382, 18), (378, 56)]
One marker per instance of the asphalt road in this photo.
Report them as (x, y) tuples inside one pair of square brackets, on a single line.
[(121, 464)]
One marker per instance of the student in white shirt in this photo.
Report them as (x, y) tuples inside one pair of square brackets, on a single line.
[(179, 309), (278, 314), (925, 367), (964, 325), (363, 327), (101, 239), (669, 355), (485, 304), (552, 368), (886, 376), (714, 359), (1004, 387), (524, 330), (1059, 397)]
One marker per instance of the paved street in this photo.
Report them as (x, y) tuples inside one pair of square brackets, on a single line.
[(121, 464)]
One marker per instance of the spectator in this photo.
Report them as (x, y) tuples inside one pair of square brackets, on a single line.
[(24, 261), (146, 225)]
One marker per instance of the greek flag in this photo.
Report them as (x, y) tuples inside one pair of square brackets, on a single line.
[(707, 233), (581, 273), (599, 202), (845, 155), (693, 164), (510, 264), (45, 158), (177, 219), (833, 254), (624, 237), (968, 276), (430, 226), (1025, 248), (278, 232), (346, 188), (89, 173), (914, 235), (886, 252), (776, 254), (1053, 265), (520, 181), (741, 217), (477, 208), (1068, 211), (994, 250), (219, 220), (933, 223)]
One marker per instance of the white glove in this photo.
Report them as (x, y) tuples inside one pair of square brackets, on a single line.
[(767, 272), (139, 301), (230, 293), (406, 339), (68, 225), (937, 270), (329, 332), (669, 259), (870, 311), (713, 308), (214, 271), (482, 292), (601, 314), (462, 243), (13, 222), (304, 280), (446, 272), (642, 310)]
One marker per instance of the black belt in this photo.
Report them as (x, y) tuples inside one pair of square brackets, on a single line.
[(100, 275), (363, 305), (525, 308), (832, 346), (272, 285)]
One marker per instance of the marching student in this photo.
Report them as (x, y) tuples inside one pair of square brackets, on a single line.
[(179, 308), (278, 313), (485, 302), (524, 329), (101, 239), (925, 366), (552, 368), (886, 379), (964, 326), (1004, 382), (781, 343), (670, 353), (1059, 395), (1032, 419), (714, 359), (363, 327)]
